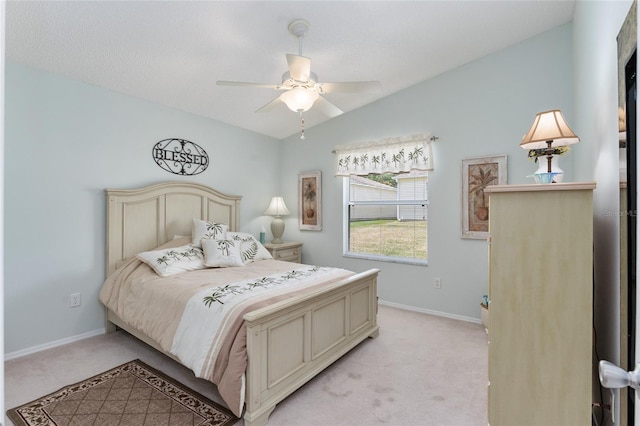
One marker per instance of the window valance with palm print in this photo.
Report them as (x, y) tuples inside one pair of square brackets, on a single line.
[(391, 155)]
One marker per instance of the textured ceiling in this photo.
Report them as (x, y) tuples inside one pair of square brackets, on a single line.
[(172, 52)]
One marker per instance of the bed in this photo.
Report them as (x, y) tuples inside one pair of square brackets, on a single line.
[(288, 341)]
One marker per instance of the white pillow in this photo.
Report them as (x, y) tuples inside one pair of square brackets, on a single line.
[(221, 253), (207, 229), (174, 260), (250, 248)]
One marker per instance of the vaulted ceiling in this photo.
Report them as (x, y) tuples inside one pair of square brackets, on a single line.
[(172, 52)]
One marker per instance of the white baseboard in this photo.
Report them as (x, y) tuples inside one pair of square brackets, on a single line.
[(34, 349), (429, 311)]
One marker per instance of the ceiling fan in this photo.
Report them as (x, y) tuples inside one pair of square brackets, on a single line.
[(300, 86)]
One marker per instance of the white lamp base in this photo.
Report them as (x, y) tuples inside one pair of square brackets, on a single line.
[(543, 168), (277, 229)]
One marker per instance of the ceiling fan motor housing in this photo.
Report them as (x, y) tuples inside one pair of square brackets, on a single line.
[(288, 82)]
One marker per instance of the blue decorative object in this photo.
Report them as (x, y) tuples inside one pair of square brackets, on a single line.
[(544, 177)]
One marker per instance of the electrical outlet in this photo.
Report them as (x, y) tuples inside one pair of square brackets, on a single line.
[(437, 283), (74, 300)]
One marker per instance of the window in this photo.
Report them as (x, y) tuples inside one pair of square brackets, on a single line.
[(385, 198), (386, 216)]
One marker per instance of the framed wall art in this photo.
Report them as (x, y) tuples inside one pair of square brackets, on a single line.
[(310, 201), (477, 174)]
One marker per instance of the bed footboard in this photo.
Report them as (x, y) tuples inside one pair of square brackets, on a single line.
[(290, 342)]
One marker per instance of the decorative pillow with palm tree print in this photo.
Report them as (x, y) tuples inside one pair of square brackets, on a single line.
[(250, 248), (221, 253), (207, 229), (174, 260)]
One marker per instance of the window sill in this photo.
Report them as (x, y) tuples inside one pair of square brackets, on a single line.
[(416, 262)]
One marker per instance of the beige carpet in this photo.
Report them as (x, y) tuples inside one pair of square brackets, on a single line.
[(132, 394), (421, 370)]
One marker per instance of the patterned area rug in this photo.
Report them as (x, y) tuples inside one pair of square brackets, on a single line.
[(128, 395)]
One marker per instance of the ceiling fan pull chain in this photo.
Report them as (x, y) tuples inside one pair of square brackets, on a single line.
[(301, 126)]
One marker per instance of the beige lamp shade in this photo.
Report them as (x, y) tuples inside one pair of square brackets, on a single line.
[(277, 208), (549, 126)]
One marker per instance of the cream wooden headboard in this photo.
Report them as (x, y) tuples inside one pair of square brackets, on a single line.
[(142, 219)]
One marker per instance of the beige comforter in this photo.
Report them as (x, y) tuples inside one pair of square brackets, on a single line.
[(172, 311)]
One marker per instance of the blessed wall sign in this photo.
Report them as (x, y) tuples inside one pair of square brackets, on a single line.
[(180, 157)]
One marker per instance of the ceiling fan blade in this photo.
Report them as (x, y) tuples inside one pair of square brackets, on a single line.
[(327, 108), (299, 67), (269, 106), (351, 87), (243, 83)]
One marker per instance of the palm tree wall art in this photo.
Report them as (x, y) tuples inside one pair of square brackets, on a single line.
[(477, 175)]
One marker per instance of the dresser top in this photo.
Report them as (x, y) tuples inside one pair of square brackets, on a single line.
[(570, 186)]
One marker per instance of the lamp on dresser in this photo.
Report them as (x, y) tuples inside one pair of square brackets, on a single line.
[(548, 132), (277, 208)]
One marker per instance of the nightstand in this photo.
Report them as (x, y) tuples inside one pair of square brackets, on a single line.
[(287, 251)]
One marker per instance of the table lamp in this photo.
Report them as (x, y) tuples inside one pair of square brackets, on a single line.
[(277, 208), (548, 131)]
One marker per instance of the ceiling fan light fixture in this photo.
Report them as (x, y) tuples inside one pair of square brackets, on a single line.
[(299, 99)]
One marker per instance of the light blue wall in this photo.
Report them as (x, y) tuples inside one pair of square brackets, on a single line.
[(480, 109), (596, 88), (596, 27), (65, 142)]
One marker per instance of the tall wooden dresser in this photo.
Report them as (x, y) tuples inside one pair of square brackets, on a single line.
[(540, 312)]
